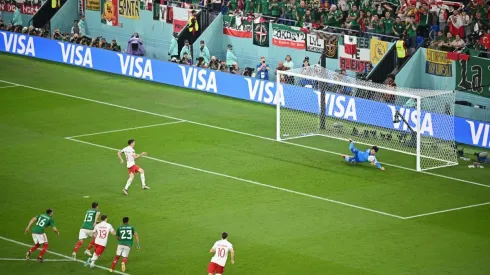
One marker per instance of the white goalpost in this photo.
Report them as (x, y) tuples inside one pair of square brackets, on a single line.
[(325, 107)]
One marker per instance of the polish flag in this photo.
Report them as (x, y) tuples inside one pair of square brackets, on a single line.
[(350, 44)]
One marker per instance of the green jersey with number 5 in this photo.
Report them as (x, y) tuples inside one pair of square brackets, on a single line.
[(42, 222), (125, 234), (89, 220)]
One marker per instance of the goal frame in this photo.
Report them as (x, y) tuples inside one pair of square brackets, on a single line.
[(417, 98)]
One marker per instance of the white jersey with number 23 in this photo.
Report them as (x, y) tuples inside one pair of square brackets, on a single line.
[(129, 152), (102, 231), (222, 247)]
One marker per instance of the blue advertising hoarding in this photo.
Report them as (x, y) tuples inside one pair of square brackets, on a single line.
[(251, 89)]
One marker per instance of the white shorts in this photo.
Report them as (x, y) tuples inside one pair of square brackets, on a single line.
[(123, 250), (85, 233), (39, 238)]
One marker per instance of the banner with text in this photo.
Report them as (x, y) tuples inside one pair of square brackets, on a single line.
[(473, 76), (26, 7), (180, 18), (287, 36), (438, 64), (378, 50), (129, 9), (348, 108), (354, 53), (108, 10), (93, 5), (319, 41), (237, 26)]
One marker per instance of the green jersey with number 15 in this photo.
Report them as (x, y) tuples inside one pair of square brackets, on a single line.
[(125, 234), (42, 222), (89, 220)]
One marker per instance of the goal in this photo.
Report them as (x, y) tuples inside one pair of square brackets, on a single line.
[(322, 108)]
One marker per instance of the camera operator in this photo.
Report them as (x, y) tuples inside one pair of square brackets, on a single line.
[(248, 72), (114, 47), (222, 66), (263, 69), (135, 46), (214, 63), (185, 60), (200, 62), (57, 35)]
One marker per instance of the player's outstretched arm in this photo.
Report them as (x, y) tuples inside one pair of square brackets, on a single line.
[(232, 251), (137, 156), (56, 231), (30, 223), (119, 154), (137, 237)]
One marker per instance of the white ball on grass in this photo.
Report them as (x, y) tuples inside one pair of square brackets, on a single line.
[(371, 158)]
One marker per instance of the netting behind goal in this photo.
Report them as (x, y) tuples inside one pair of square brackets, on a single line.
[(320, 103)]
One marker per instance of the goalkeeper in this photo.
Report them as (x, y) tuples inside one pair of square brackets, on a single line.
[(360, 156)]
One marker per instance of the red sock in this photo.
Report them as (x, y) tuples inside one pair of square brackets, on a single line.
[(45, 248), (91, 245), (77, 246), (125, 260), (114, 262), (36, 246)]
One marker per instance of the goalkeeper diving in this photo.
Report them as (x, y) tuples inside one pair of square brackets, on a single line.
[(363, 156)]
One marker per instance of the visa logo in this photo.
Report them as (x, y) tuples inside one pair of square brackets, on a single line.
[(18, 44), (411, 116), (339, 106), (263, 91), (199, 79), (136, 66), (76, 55), (477, 129)]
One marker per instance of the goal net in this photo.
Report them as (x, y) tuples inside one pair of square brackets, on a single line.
[(415, 127)]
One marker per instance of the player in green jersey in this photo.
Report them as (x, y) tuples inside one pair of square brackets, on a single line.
[(41, 222), (91, 218), (125, 234)]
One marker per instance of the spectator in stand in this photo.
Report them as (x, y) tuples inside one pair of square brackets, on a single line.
[(398, 27), (466, 23), (378, 25), (173, 48), (288, 11), (354, 17), (306, 62), (388, 23), (262, 69), (457, 43), (185, 60), (456, 24), (438, 42), (411, 31), (81, 26), (446, 46), (204, 52), (17, 18), (288, 63), (300, 13), (390, 83), (424, 20), (75, 29), (275, 8), (216, 5), (231, 59), (440, 12), (280, 67), (135, 45), (186, 49)]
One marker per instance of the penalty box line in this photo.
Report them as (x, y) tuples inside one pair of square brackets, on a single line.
[(247, 181), (127, 129), (226, 129), (60, 255)]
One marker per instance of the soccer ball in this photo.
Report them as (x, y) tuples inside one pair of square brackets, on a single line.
[(371, 158)]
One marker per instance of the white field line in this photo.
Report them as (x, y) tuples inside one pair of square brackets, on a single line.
[(59, 255), (11, 86), (228, 130), (447, 210), (45, 260), (127, 129), (248, 181)]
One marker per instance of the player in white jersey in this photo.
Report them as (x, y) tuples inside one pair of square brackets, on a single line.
[(101, 235), (220, 250), (131, 156)]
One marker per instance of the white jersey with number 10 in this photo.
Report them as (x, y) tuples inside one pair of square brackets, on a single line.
[(222, 248), (102, 231), (129, 152)]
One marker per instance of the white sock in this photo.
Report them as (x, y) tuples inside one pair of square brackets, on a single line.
[(128, 183), (94, 258), (142, 179)]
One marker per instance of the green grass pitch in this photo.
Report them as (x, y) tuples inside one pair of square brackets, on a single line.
[(214, 166)]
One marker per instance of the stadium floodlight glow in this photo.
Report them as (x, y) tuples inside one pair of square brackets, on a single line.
[(319, 102)]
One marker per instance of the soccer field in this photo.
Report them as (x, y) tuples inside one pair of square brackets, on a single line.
[(214, 166)]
